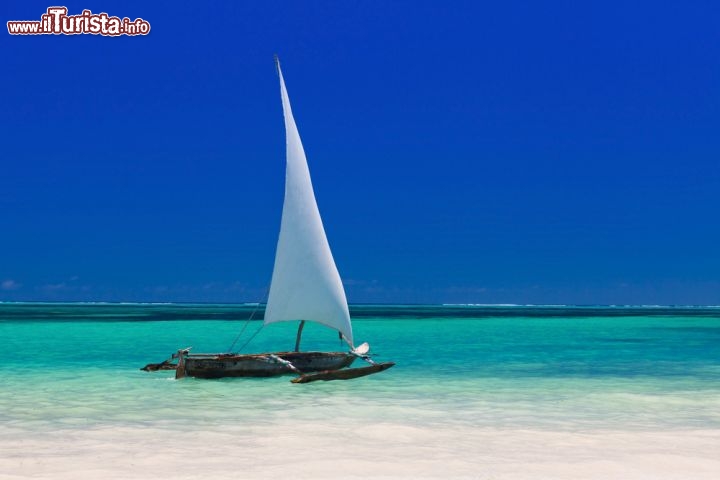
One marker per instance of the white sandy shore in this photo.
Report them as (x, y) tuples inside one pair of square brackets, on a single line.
[(306, 450)]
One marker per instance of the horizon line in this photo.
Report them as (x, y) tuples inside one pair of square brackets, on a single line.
[(258, 304)]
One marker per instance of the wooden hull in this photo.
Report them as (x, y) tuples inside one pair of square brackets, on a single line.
[(262, 365)]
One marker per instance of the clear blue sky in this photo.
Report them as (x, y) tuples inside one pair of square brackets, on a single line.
[(522, 152)]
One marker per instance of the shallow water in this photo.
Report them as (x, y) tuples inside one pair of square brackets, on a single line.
[(474, 390)]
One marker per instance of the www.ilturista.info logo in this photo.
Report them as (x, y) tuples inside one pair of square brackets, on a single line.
[(57, 22)]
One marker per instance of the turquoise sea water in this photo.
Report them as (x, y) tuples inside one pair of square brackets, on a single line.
[(69, 369), (580, 366)]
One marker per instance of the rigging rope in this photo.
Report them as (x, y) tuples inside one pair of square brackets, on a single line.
[(253, 336), (247, 322)]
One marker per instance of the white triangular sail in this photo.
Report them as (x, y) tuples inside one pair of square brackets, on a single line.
[(305, 283)]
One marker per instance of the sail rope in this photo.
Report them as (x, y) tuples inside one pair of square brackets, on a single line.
[(247, 322), (242, 330), (251, 337)]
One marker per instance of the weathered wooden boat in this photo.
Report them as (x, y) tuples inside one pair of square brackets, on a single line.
[(260, 365), (305, 286)]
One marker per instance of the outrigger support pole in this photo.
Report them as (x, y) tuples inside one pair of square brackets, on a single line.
[(180, 355), (275, 359)]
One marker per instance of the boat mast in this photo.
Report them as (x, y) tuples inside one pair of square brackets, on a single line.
[(299, 334)]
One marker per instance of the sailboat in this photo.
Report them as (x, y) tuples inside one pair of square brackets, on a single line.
[(305, 287)]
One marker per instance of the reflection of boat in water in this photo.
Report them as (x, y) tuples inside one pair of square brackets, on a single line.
[(305, 286)]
